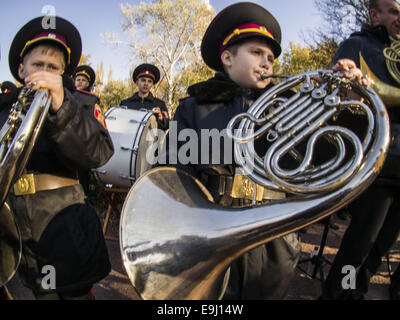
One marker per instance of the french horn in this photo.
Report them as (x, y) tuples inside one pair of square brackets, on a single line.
[(18, 137), (176, 243)]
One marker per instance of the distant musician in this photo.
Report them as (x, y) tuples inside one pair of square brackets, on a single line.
[(145, 77), (84, 78)]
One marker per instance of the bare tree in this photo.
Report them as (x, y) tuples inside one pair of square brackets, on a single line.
[(85, 59), (168, 34), (341, 17)]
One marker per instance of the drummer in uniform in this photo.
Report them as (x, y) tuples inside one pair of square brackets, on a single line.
[(145, 77)]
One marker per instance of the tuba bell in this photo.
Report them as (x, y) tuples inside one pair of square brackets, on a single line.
[(18, 137), (176, 243)]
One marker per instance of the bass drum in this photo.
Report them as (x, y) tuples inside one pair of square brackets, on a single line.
[(10, 245), (132, 134)]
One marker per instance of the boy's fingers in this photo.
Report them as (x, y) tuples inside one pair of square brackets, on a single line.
[(344, 65), (31, 84)]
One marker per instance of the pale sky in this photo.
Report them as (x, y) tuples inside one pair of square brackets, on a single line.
[(96, 17)]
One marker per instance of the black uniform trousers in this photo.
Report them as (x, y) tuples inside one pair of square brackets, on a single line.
[(67, 237), (265, 272), (395, 284), (374, 228)]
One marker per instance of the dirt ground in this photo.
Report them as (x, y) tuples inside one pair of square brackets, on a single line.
[(116, 286)]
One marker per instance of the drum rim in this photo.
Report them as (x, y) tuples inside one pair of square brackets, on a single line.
[(142, 122), (145, 119)]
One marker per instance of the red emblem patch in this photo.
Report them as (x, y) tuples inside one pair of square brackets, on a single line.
[(98, 114)]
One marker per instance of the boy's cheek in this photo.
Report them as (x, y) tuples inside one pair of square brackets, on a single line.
[(261, 84)]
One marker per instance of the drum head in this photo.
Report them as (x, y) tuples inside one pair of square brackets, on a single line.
[(10, 245), (133, 137)]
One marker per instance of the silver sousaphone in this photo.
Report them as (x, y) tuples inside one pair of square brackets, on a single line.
[(177, 244)]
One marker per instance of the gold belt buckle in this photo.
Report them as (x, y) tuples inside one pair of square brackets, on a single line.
[(243, 188), (25, 185)]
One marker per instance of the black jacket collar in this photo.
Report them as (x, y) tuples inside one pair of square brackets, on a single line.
[(136, 97), (221, 89), (380, 32)]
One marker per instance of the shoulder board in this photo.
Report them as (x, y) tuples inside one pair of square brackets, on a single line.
[(158, 99), (184, 98), (359, 34), (85, 92)]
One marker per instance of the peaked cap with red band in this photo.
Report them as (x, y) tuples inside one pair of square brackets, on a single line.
[(7, 87), (237, 22), (87, 72), (64, 35), (146, 70)]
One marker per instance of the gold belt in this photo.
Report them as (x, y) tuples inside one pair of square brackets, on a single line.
[(243, 188), (32, 183)]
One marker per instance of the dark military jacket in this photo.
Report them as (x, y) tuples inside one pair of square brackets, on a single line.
[(370, 42), (148, 103), (88, 99), (72, 138), (211, 105)]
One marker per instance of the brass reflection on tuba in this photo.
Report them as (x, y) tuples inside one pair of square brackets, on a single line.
[(177, 244)]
